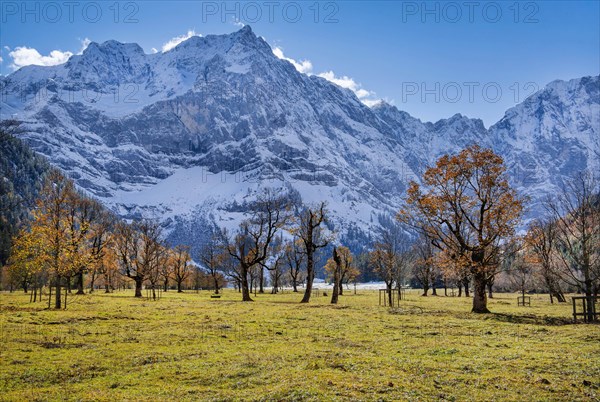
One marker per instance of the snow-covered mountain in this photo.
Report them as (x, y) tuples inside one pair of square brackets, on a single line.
[(193, 133), (551, 136)]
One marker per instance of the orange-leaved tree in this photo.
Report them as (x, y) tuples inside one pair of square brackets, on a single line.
[(466, 208)]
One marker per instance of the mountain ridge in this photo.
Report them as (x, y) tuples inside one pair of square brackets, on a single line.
[(222, 117)]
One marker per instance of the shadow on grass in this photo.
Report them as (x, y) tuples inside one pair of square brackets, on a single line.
[(528, 319)]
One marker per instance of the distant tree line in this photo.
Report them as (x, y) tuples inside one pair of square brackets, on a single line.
[(458, 230)]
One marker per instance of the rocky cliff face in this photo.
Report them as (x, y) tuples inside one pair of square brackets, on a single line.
[(190, 135)]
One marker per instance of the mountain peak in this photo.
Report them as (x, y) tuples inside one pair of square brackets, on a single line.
[(112, 46), (246, 30)]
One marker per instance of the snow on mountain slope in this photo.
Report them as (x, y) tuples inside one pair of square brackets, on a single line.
[(551, 136), (190, 134)]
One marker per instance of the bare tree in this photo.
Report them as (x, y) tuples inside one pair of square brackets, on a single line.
[(336, 268), (423, 267), (312, 237), (576, 213), (517, 266), (250, 246), (295, 261), (541, 240), (388, 257), (383, 262), (275, 268), (213, 256)]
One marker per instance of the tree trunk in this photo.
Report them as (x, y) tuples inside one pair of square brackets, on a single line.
[(295, 285), (466, 286), (216, 285), (433, 289), (335, 291), (244, 283), (57, 300), (179, 287), (310, 276), (490, 285), (92, 280), (341, 292), (479, 294), (336, 277), (80, 282), (106, 282), (138, 287), (589, 298), (425, 289), (166, 285), (459, 289), (261, 280)]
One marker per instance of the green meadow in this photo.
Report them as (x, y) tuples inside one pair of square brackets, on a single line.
[(185, 347)]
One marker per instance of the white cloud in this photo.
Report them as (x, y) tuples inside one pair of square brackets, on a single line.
[(25, 56), (1, 60), (306, 67), (7, 48), (372, 102), (344, 81), (303, 66), (178, 39), (84, 44), (237, 22), (153, 50)]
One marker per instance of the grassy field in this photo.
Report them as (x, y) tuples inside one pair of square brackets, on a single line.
[(191, 347)]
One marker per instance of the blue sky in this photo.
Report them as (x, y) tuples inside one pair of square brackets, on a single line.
[(432, 59)]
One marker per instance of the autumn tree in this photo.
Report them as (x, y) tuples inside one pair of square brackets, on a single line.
[(51, 227), (138, 248), (576, 214), (251, 245), (341, 268), (165, 271), (25, 262), (467, 207), (179, 260), (312, 237), (160, 258), (81, 214), (109, 267), (101, 245)]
